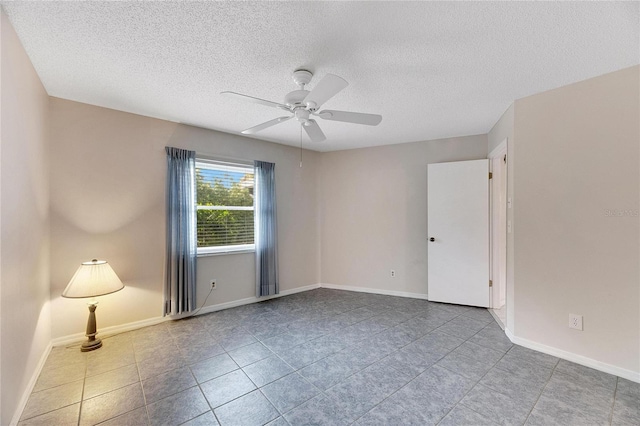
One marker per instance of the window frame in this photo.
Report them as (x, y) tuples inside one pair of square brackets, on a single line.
[(240, 166)]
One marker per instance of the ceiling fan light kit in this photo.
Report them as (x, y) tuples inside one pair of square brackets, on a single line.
[(303, 104)]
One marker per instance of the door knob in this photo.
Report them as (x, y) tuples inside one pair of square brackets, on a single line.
[(432, 239)]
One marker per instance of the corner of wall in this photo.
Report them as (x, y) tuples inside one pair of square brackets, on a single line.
[(25, 316), (505, 129)]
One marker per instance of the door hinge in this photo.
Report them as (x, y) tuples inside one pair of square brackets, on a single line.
[(490, 175), (490, 283)]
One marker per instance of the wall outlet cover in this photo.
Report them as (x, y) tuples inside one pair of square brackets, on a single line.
[(575, 322)]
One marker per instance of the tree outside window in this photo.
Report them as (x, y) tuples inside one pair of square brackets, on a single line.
[(224, 207)]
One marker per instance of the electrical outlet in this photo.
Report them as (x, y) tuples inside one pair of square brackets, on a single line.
[(393, 273), (575, 321), (213, 284)]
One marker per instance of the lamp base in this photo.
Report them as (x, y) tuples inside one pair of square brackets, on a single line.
[(91, 345), (92, 342)]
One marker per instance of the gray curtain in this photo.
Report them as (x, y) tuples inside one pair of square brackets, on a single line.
[(180, 273), (266, 232)]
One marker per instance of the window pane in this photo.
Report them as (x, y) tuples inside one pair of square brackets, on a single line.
[(224, 185), (224, 188), (224, 227)]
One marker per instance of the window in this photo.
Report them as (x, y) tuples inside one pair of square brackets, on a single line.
[(224, 206)]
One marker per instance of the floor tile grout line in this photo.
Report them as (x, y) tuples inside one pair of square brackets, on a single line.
[(121, 387), (295, 371), (478, 381), (269, 401), (542, 391), (209, 403), (574, 377), (613, 404), (144, 395), (406, 384), (84, 381), (475, 384), (49, 411), (387, 397), (367, 366), (323, 391)]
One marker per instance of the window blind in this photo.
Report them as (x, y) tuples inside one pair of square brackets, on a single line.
[(225, 212)]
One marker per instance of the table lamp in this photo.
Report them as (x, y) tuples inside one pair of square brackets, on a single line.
[(92, 279)]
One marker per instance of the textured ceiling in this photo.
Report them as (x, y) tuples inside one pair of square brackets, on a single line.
[(432, 70)]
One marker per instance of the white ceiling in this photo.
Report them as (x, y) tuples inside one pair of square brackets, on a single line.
[(432, 70)]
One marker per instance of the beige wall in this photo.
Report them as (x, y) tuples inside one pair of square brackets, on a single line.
[(108, 201), (577, 156), (374, 212), (503, 129), (24, 214)]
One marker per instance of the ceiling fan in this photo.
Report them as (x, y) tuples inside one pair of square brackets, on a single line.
[(304, 104)]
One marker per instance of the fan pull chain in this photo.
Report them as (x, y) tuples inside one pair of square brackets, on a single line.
[(300, 145)]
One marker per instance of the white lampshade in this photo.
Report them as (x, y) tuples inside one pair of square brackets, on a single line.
[(92, 279)]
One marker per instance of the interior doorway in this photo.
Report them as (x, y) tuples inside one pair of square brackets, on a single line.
[(498, 231)]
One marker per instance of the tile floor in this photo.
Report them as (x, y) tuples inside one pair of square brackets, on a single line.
[(326, 357)]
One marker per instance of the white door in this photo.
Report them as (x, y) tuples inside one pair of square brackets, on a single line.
[(458, 224)]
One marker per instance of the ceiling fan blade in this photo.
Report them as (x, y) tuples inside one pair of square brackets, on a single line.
[(327, 88), (255, 100), (351, 117), (314, 132), (263, 126)]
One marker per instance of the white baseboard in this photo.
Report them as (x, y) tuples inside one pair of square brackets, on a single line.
[(220, 306), (32, 383), (375, 291), (578, 359), (496, 319), (106, 331), (569, 356)]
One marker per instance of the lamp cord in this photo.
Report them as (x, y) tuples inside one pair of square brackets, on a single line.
[(201, 306)]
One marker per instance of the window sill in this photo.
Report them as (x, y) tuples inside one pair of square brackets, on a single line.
[(226, 252)]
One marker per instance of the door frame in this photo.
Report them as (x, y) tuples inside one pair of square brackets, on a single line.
[(498, 226)]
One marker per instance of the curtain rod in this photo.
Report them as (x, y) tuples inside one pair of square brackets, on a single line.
[(223, 158)]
